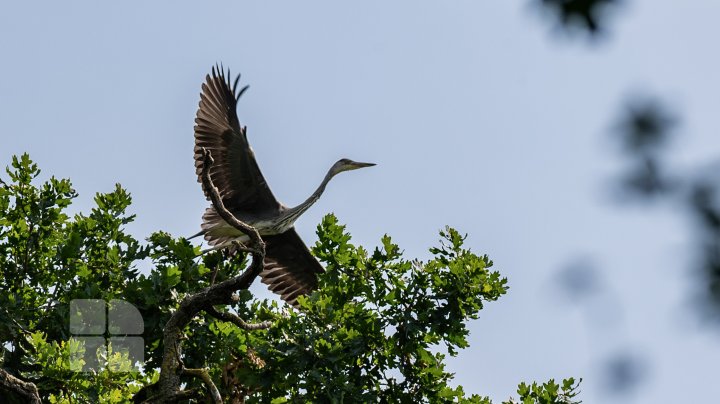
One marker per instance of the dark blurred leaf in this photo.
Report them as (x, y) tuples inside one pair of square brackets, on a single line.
[(586, 15), (624, 373), (704, 203), (579, 279), (644, 130), (645, 126), (646, 179)]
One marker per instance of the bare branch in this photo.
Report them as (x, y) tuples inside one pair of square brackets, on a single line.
[(217, 294), (220, 207), (174, 398), (204, 375), (19, 326), (235, 319), (27, 390)]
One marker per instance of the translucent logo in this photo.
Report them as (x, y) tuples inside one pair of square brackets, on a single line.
[(110, 333)]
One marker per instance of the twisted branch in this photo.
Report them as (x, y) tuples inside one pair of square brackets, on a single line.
[(12, 384), (204, 375), (235, 319), (257, 244), (168, 386)]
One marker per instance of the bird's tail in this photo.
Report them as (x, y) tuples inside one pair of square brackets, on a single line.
[(198, 234), (210, 219)]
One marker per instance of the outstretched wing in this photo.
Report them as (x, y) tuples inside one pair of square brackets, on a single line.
[(289, 268), (235, 172)]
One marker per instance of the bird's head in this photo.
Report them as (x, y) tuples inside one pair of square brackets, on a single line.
[(347, 165)]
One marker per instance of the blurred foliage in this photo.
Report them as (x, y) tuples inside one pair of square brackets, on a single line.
[(589, 16), (646, 130), (643, 133), (624, 372), (704, 206), (377, 330), (646, 126), (580, 280)]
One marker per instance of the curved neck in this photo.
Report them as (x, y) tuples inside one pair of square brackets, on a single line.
[(294, 212)]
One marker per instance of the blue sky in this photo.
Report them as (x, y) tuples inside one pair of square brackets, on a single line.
[(479, 115)]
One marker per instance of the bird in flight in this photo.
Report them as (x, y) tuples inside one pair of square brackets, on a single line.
[(289, 269)]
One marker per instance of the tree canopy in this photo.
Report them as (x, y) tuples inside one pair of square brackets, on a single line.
[(378, 329)]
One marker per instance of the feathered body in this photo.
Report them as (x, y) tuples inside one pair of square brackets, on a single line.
[(289, 268)]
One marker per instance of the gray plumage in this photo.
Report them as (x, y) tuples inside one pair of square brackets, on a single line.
[(289, 268)]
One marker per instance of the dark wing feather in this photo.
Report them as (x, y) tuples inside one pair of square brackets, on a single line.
[(235, 172), (289, 268)]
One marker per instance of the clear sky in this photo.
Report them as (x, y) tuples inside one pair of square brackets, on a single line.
[(478, 114)]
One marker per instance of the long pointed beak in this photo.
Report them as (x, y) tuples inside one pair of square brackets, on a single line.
[(361, 165)]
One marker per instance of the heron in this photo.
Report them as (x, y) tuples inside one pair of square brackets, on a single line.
[(289, 269)]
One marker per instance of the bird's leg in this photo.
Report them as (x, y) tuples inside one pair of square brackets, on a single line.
[(239, 246)]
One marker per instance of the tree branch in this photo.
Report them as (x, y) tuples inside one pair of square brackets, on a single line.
[(218, 294), (235, 319), (220, 207), (180, 395), (26, 390), (204, 375)]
